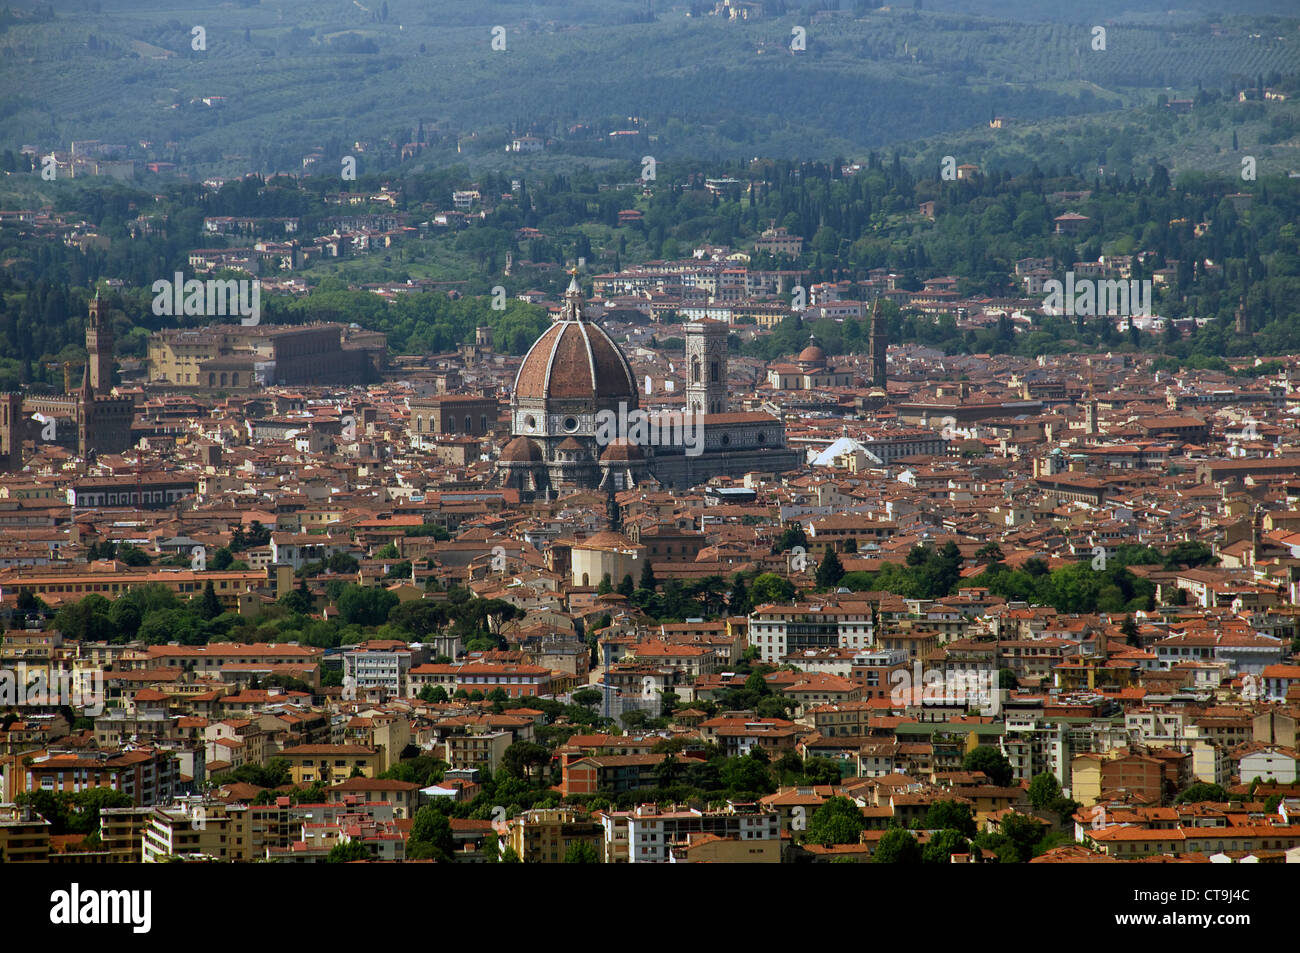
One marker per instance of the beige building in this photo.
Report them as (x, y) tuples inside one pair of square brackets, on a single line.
[(712, 849), (603, 553), (478, 751), (210, 829), (24, 836), (326, 763)]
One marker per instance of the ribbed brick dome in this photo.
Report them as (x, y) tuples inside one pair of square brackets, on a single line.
[(575, 358)]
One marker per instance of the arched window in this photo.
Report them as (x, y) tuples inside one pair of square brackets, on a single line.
[(234, 379), (695, 370), (223, 378), (585, 580), (212, 379), (713, 371)]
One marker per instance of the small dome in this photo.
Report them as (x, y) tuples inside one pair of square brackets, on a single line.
[(569, 445), (621, 451), (812, 354), (521, 450)]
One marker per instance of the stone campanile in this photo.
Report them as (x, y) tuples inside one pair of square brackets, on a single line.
[(706, 367), (879, 348), (99, 347)]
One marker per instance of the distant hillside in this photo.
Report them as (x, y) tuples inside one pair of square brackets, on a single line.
[(279, 82)]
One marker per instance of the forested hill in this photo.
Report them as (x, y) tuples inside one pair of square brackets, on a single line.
[(276, 82)]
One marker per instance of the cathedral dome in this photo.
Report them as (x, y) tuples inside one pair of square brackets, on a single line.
[(575, 359), (521, 450)]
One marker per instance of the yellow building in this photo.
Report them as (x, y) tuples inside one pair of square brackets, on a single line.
[(72, 586), (544, 836), (208, 829), (712, 849), (24, 836), (121, 830), (327, 763)]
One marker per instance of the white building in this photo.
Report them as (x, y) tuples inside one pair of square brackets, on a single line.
[(778, 631), (376, 668), (649, 832)]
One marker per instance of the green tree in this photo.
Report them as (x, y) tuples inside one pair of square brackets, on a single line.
[(897, 847), (943, 845), (430, 837), (1044, 791), (132, 555), (580, 852), (345, 852), (791, 537), (830, 571), (822, 771), (606, 586), (739, 602), (950, 815), (838, 821), (342, 563), (434, 694), (420, 617), (1201, 792), (522, 757), (297, 600), (209, 604), (626, 587), (648, 581), (1024, 833), (587, 697), (992, 762), (365, 605), (769, 587)]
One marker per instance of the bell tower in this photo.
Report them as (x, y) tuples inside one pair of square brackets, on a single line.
[(99, 346), (706, 367), (11, 431), (879, 346)]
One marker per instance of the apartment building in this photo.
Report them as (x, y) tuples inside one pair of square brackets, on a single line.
[(649, 833), (544, 836), (380, 667), (196, 829), (777, 631), (483, 750), (326, 763), (147, 775), (24, 836)]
